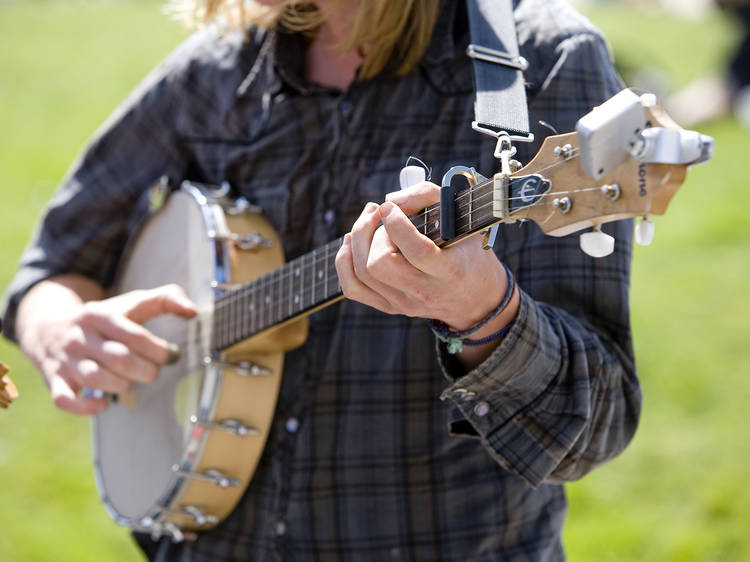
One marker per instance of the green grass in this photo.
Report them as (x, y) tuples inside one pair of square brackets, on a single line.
[(63, 67), (679, 493), (653, 40)]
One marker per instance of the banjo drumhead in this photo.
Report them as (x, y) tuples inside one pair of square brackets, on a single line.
[(139, 438)]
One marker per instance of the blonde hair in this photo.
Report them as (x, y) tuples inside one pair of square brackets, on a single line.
[(384, 32)]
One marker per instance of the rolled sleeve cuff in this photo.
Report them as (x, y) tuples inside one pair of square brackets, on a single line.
[(491, 396), (24, 280)]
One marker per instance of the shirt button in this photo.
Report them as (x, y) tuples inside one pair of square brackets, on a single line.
[(292, 425), (329, 216), (346, 107), (482, 409), (280, 528)]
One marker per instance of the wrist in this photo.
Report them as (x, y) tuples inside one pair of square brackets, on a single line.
[(485, 298), (502, 321), (52, 300), (491, 327)]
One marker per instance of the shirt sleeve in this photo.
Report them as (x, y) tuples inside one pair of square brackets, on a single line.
[(85, 225), (559, 396)]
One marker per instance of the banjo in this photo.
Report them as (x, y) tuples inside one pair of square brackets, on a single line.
[(173, 457)]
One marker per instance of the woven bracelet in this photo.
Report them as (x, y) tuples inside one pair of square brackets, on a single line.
[(455, 340)]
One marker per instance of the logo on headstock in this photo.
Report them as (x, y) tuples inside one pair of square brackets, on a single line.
[(642, 179), (528, 191)]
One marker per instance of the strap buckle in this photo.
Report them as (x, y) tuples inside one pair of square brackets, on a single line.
[(502, 137), (528, 137), (498, 57)]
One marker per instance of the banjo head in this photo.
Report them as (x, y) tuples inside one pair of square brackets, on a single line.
[(146, 433), (176, 454)]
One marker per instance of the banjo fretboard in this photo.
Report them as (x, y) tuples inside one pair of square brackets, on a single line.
[(310, 281)]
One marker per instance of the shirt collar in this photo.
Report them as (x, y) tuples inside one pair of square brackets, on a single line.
[(283, 60)]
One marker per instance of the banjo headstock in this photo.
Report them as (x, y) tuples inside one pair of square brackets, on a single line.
[(627, 159)]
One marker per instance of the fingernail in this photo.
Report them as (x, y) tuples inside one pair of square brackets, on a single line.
[(173, 353), (371, 207), (385, 209)]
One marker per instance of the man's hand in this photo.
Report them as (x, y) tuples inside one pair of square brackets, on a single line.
[(100, 344), (396, 269)]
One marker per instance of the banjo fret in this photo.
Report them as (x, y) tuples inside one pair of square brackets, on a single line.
[(285, 293)]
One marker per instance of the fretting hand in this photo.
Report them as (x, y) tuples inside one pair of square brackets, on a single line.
[(386, 263)]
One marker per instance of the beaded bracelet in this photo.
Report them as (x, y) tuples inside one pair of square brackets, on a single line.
[(455, 340)]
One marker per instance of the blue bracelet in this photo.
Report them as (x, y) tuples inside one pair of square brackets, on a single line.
[(497, 335), (455, 340)]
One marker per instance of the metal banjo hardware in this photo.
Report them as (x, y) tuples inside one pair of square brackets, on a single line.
[(199, 516), (212, 475), (221, 194), (247, 242), (240, 206), (224, 286), (232, 426), (169, 529), (611, 192), (244, 368), (566, 152), (157, 528)]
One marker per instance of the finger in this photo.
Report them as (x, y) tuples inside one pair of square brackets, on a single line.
[(133, 336), (91, 374), (167, 299), (122, 360), (66, 399), (415, 198), (369, 256), (361, 236), (351, 286), (404, 286), (418, 250)]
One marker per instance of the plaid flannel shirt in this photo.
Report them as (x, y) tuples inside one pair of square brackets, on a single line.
[(382, 448)]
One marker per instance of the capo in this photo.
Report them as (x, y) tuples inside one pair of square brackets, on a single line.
[(448, 199), (447, 211)]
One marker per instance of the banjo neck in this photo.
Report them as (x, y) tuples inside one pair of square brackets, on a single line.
[(310, 282), (553, 190), (295, 289)]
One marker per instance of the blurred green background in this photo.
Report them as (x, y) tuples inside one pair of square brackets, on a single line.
[(679, 493)]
